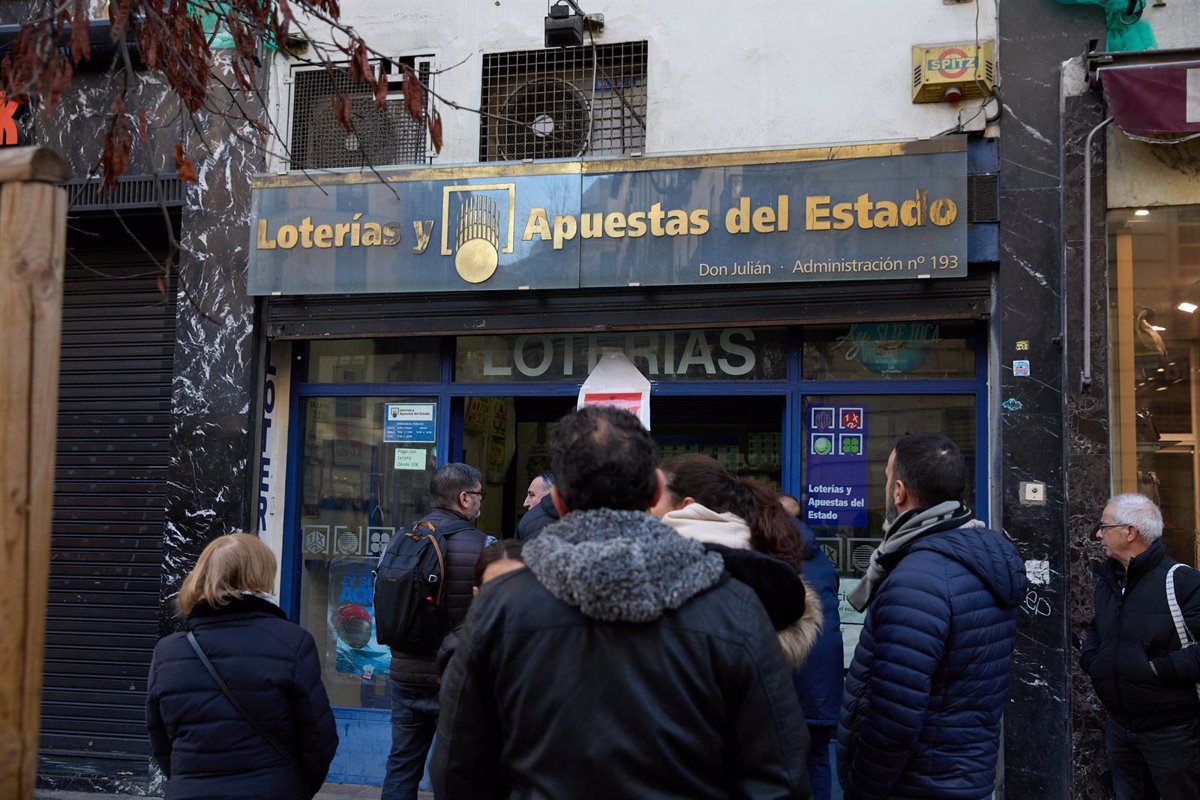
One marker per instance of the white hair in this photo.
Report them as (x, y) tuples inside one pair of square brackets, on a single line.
[(1139, 511)]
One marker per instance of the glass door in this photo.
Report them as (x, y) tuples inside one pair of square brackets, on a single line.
[(365, 467)]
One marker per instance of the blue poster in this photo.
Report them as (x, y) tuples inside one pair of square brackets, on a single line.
[(835, 450), (352, 620), (409, 422)]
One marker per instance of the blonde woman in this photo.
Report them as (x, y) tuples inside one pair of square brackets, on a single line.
[(235, 705)]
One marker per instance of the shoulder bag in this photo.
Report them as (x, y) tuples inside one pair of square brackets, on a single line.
[(288, 756), (1185, 639)]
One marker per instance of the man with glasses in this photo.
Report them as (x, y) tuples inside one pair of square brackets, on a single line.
[(456, 494), (1132, 653)]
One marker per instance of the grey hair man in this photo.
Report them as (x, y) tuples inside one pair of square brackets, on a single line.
[(623, 662), (1144, 677), (456, 494), (541, 511), (539, 487)]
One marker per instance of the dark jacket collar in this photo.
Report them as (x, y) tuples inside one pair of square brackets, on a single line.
[(1112, 572), (547, 506), (246, 605)]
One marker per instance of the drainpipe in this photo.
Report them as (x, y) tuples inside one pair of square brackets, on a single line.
[(1085, 376)]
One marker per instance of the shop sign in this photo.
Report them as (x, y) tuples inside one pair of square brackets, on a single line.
[(701, 354), (835, 449), (870, 212)]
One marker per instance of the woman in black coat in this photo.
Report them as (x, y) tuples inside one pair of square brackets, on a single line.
[(203, 743)]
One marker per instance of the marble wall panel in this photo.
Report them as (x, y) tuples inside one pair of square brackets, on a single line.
[(208, 489), (1035, 38)]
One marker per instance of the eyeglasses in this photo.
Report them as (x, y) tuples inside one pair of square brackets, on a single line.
[(479, 492), (1101, 526)]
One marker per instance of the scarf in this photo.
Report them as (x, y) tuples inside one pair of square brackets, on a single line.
[(899, 534)]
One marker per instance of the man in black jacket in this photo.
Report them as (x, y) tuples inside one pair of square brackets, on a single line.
[(456, 493), (623, 662), (540, 510), (1132, 652)]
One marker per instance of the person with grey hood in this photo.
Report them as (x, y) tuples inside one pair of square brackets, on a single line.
[(622, 661)]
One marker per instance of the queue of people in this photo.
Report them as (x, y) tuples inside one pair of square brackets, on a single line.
[(671, 630)]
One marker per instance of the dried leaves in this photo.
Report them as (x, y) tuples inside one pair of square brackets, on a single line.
[(187, 170), (174, 38), (414, 94), (118, 143), (341, 111), (81, 43), (435, 130)]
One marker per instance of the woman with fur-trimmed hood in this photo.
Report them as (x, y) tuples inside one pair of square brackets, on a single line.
[(742, 520)]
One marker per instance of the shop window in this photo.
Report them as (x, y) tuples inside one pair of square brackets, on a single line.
[(1154, 351), (414, 360), (684, 355), (563, 102), (361, 480), (889, 351)]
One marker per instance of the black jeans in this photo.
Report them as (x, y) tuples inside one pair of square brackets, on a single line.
[(1162, 763), (414, 721)]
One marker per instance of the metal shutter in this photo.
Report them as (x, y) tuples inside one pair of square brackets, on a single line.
[(114, 423)]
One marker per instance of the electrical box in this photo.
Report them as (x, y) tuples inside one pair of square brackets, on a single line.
[(951, 72)]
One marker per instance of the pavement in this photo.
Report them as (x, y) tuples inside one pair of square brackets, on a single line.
[(330, 791)]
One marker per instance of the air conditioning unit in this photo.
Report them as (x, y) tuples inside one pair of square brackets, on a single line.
[(564, 103), (546, 117), (953, 72), (379, 137)]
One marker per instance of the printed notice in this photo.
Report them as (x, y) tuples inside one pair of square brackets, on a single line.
[(410, 458), (409, 423), (835, 491)]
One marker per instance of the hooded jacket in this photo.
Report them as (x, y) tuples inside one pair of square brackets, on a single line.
[(793, 606), (205, 747), (929, 681), (623, 662), (1133, 629)]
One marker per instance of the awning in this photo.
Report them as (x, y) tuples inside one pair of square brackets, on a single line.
[(1154, 99)]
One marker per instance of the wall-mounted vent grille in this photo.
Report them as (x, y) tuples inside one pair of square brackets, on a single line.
[(380, 137), (983, 197), (131, 191), (564, 102)]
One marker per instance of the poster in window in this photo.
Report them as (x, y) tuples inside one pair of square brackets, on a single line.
[(475, 419), (352, 620)]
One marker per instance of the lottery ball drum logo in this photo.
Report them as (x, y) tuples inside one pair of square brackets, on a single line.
[(477, 243)]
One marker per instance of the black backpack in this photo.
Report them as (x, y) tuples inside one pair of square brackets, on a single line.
[(410, 584)]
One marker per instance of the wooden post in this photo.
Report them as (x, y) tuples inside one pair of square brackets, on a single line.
[(33, 220)]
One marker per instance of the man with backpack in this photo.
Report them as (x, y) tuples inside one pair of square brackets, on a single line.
[(430, 570)]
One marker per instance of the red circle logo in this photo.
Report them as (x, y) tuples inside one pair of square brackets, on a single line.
[(963, 59)]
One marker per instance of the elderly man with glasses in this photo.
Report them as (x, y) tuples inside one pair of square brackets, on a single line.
[(1141, 672)]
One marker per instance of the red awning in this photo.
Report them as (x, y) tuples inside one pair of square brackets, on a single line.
[(1154, 99)]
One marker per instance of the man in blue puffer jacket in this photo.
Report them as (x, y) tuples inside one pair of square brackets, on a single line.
[(927, 687)]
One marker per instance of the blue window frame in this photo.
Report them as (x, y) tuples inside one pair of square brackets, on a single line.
[(792, 391)]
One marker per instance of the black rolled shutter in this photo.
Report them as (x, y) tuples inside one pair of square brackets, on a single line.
[(114, 424)]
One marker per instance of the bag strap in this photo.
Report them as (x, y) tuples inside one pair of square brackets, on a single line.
[(1185, 639), (288, 756)]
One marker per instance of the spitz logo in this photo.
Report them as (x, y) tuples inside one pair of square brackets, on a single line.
[(477, 237)]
